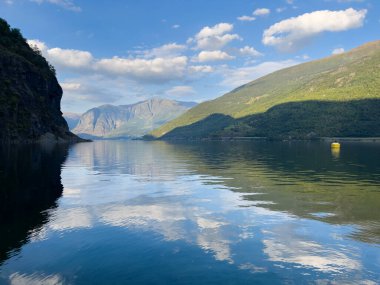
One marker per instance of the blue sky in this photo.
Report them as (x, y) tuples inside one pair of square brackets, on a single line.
[(121, 52)]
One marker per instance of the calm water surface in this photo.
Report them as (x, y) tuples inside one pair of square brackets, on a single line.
[(129, 212)]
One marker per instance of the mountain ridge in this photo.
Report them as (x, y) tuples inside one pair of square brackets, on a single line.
[(353, 75), (133, 120)]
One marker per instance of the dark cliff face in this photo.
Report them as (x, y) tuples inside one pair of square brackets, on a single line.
[(30, 95)]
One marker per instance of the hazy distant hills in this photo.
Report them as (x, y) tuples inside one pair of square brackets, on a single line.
[(335, 96), (134, 120), (72, 119)]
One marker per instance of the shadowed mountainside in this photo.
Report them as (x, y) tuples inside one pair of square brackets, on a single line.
[(302, 120), (30, 95)]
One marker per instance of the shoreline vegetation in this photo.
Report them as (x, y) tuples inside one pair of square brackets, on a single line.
[(326, 139), (351, 139)]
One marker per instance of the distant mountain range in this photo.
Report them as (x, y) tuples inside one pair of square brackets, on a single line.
[(335, 96), (72, 119), (126, 121)]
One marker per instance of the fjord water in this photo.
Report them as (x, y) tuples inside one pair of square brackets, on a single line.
[(132, 212)]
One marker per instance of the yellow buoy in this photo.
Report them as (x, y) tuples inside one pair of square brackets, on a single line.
[(335, 149), (335, 145)]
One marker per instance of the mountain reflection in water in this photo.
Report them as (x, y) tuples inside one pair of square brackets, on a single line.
[(216, 212)]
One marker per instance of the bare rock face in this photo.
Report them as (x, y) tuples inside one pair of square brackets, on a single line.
[(131, 121), (30, 95)]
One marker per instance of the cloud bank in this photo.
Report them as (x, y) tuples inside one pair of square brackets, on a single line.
[(292, 34), (214, 38)]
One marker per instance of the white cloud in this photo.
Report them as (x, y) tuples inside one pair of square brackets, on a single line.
[(261, 12), (67, 58), (201, 68), (66, 4), (234, 77), (215, 55), (117, 80), (249, 51), (216, 37), (91, 90), (179, 91), (37, 44), (293, 33), (70, 58), (157, 69), (167, 50), (70, 86), (216, 30), (158, 65), (338, 51), (217, 42), (246, 18), (176, 26)]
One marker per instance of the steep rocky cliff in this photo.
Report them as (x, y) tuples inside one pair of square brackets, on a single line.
[(30, 95)]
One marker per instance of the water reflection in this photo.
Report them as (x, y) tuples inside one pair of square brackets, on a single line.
[(335, 152), (30, 184), (301, 179), (230, 212)]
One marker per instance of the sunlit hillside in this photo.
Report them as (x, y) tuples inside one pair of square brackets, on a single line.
[(321, 92)]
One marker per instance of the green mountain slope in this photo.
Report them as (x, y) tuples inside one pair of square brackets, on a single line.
[(335, 96)]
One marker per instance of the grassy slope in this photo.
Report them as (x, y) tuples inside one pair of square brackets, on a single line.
[(354, 75)]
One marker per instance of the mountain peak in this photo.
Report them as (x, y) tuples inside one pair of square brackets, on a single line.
[(133, 120)]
